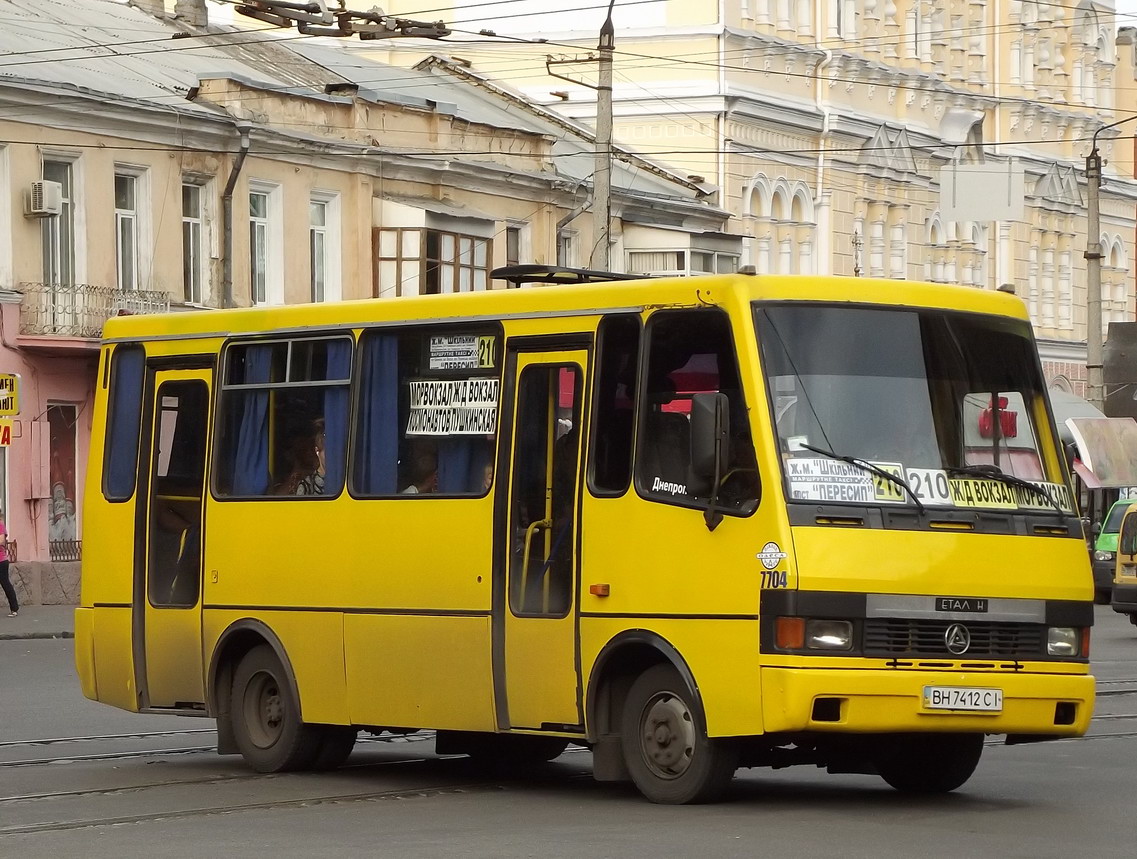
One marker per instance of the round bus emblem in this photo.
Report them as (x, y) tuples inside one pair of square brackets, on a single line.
[(957, 638), (770, 555)]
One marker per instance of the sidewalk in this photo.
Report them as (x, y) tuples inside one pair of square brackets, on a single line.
[(38, 621)]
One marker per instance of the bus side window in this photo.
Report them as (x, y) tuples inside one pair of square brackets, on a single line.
[(614, 401), (124, 423), (426, 420), (689, 352), (283, 418)]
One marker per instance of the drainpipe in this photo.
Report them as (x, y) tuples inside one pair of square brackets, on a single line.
[(243, 128)]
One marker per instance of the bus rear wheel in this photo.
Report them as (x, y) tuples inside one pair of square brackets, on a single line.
[(336, 743), (665, 744), (265, 717), (928, 763)]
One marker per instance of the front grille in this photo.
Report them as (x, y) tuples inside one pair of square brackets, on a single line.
[(899, 637)]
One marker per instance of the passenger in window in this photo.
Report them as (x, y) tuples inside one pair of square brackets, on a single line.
[(423, 474), (306, 471), (487, 477)]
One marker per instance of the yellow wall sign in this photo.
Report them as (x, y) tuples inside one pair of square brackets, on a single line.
[(5, 432), (9, 394)]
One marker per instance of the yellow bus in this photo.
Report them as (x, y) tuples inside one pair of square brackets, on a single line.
[(693, 524)]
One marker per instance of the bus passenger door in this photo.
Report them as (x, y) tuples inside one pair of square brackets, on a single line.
[(535, 662), (167, 591)]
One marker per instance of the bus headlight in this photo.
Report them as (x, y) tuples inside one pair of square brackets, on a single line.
[(828, 634), (1103, 556), (1062, 641)]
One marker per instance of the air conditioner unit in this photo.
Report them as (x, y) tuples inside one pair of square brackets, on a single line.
[(44, 199)]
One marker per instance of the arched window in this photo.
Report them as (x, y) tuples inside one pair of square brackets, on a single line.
[(758, 212)]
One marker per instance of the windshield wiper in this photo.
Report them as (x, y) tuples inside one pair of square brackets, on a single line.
[(995, 473), (869, 467)]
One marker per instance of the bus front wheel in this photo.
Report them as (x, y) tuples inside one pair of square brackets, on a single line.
[(266, 720), (666, 748), (928, 763)]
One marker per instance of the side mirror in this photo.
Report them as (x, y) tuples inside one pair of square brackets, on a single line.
[(710, 443)]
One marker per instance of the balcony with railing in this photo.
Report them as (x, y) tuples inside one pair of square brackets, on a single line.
[(77, 311)]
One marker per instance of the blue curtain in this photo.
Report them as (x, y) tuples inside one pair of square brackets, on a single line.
[(250, 466), (335, 416), (377, 443), (462, 465)]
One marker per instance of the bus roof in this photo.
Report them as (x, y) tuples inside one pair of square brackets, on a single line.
[(582, 299)]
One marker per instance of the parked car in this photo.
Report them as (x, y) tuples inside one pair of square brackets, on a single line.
[(1105, 551)]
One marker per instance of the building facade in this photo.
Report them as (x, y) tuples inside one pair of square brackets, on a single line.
[(827, 125), (232, 172)]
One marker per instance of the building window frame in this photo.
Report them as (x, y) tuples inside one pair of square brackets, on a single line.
[(324, 247), (428, 261), (194, 240), (126, 230), (59, 232), (266, 243)]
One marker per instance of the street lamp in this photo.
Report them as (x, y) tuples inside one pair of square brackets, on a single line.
[(1093, 256)]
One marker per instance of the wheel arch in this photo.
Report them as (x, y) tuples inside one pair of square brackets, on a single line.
[(239, 638), (617, 665)]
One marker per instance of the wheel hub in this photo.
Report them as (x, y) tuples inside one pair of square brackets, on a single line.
[(667, 735), (265, 710)]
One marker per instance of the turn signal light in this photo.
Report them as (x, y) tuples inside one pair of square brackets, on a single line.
[(1085, 642), (598, 590), (789, 633)]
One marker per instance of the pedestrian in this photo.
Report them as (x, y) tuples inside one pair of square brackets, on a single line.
[(5, 582)]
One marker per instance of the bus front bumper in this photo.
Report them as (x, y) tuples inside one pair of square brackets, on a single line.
[(1125, 598), (871, 701)]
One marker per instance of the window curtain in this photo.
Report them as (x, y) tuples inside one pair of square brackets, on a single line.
[(335, 416), (377, 444), (250, 466)]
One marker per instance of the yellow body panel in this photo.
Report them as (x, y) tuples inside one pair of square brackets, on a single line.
[(85, 652), (890, 700), (114, 658), (941, 563), (313, 642), (722, 656), (411, 671)]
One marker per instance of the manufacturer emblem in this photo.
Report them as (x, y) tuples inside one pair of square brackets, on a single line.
[(770, 555), (957, 639)]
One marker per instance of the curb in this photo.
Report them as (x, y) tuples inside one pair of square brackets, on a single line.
[(24, 636)]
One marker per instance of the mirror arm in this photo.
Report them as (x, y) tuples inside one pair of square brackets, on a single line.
[(713, 515)]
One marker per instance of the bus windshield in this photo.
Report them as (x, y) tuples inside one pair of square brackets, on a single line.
[(946, 401)]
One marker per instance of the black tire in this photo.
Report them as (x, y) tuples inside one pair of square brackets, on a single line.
[(1133, 619), (928, 763), (336, 743), (1103, 596), (265, 716), (666, 748)]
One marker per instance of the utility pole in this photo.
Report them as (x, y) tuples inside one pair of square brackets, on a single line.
[(601, 202), (1093, 278), (602, 172), (1093, 256)]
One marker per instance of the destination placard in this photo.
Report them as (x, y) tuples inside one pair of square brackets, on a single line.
[(453, 407), (817, 479)]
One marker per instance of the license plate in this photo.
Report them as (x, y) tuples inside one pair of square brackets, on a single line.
[(963, 698)]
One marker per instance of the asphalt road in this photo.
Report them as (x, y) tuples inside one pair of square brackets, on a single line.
[(81, 779)]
